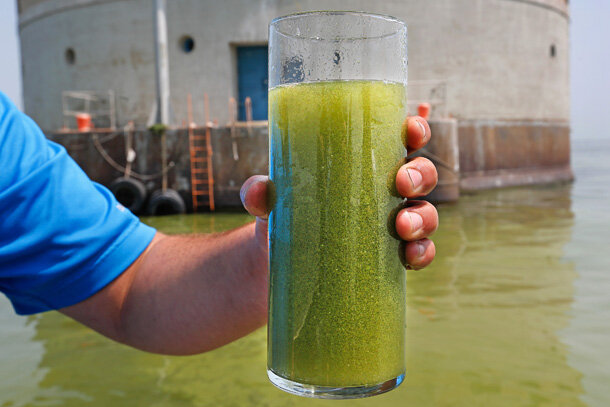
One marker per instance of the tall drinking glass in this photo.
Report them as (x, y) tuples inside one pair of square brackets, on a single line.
[(337, 101)]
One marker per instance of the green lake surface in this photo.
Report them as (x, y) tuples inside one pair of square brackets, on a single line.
[(515, 311)]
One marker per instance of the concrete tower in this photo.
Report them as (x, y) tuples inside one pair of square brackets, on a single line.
[(505, 63)]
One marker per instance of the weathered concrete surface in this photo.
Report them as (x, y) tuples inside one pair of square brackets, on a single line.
[(515, 177), (444, 151), (468, 156), (229, 173), (82, 148), (494, 54), (504, 153)]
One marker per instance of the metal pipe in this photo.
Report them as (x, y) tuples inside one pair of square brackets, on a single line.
[(161, 62)]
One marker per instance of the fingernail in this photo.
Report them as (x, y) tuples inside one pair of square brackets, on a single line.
[(421, 249), (423, 129), (416, 221), (415, 177)]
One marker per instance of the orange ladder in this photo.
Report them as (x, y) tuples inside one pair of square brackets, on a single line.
[(200, 148)]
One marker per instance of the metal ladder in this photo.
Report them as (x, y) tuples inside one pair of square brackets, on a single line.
[(200, 148)]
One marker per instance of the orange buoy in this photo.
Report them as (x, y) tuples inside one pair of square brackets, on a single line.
[(423, 110), (83, 122)]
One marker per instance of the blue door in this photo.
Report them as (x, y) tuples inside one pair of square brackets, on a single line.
[(252, 81)]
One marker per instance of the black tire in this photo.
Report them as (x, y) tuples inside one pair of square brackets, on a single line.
[(130, 193), (166, 203)]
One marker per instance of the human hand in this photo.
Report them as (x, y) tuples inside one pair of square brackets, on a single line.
[(416, 178)]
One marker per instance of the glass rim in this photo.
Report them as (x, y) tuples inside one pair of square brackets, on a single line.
[(383, 17)]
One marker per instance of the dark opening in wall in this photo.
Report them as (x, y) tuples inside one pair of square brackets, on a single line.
[(187, 44), (70, 56), (553, 51)]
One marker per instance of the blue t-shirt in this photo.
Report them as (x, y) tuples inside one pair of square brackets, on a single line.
[(62, 237)]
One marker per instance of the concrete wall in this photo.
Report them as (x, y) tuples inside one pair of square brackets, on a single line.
[(487, 154), (498, 153), (229, 173), (494, 54)]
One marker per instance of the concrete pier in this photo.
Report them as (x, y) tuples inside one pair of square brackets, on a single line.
[(468, 156)]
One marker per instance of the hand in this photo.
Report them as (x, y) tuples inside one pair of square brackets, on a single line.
[(416, 178)]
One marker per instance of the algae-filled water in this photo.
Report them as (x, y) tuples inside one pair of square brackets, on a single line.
[(336, 319), (515, 311)]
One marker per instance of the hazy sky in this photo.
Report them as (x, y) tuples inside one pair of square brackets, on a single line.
[(590, 68), (590, 64)]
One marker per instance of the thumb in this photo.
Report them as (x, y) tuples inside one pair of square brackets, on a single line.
[(253, 196)]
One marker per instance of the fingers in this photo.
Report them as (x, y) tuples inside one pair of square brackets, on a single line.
[(415, 133), (414, 224), (254, 195), (416, 178), (417, 221), (419, 254)]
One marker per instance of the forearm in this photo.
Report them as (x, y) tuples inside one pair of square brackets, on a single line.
[(188, 294), (195, 293)]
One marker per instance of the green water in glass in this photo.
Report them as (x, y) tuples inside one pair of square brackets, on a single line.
[(337, 286)]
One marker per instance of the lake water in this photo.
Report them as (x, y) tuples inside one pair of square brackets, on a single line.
[(515, 311)]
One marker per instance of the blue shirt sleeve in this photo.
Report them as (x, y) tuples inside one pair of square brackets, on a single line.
[(62, 237)]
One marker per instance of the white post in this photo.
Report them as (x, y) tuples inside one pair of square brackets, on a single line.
[(162, 80), (161, 62)]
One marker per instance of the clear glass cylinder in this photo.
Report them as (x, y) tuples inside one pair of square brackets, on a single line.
[(337, 101)]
